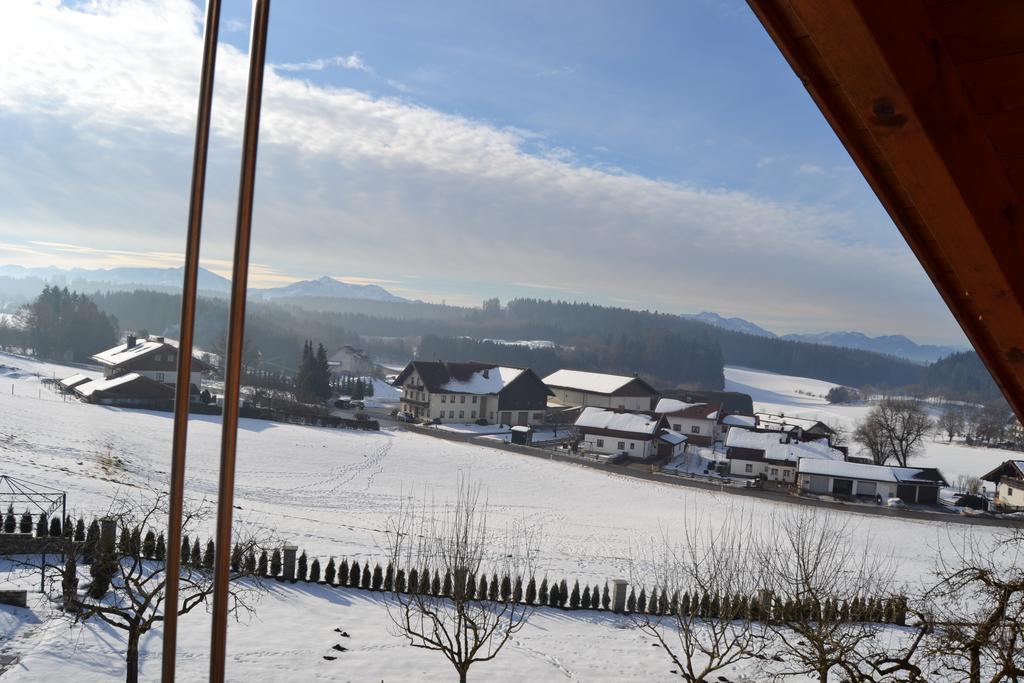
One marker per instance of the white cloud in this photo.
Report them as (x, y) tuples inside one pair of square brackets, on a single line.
[(810, 169), (379, 186), (352, 61)]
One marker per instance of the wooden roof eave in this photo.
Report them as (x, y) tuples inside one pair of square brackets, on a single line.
[(882, 78)]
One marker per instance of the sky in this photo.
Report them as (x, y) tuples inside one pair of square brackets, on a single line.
[(655, 155)]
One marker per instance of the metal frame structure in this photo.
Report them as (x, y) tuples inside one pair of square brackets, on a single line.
[(14, 490)]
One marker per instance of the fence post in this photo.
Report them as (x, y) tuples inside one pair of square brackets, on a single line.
[(619, 595), (288, 562)]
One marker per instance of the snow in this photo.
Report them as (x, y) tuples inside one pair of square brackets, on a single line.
[(857, 470), (674, 438), (775, 447), (600, 418), (89, 388), (671, 406), (496, 379), (529, 343), (332, 492), (593, 382), (122, 353), (745, 421), (75, 380)]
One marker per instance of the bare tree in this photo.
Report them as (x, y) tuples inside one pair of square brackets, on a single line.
[(127, 589), (707, 578), (456, 542), (952, 420), (976, 610), (823, 587), (895, 429)]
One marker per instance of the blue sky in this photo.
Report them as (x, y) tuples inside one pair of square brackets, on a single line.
[(656, 155)]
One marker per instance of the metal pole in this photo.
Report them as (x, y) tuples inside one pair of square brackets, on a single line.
[(236, 335), (182, 393)]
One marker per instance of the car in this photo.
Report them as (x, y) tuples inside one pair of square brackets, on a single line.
[(341, 404), (405, 416), (896, 504)]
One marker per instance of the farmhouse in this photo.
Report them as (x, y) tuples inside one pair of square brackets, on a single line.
[(772, 455), (910, 484), (348, 360), (1009, 481), (155, 358), (585, 389), (468, 392), (801, 428), (129, 389), (700, 422), (636, 435)]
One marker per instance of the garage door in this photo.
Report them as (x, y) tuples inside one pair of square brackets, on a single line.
[(843, 487), (929, 495), (907, 492)]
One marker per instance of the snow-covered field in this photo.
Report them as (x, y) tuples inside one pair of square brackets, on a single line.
[(332, 491)]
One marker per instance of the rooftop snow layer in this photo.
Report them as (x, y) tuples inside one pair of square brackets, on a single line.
[(75, 380), (120, 354), (600, 418), (857, 470), (775, 447), (89, 388), (593, 382), (674, 438), (740, 421), (697, 411), (496, 379)]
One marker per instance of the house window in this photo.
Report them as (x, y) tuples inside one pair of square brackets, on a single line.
[(748, 468), (1009, 491), (775, 472), (695, 429), (785, 474), (622, 445), (157, 358), (632, 446), (444, 399), (462, 414), (600, 443), (451, 413), (462, 399), (472, 414), (474, 398), (677, 427), (159, 377), (492, 417)]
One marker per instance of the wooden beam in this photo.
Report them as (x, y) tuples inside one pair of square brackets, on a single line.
[(935, 168)]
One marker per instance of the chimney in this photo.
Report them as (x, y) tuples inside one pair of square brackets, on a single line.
[(130, 341), (487, 373)]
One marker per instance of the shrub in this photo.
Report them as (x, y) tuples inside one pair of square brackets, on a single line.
[(493, 589), (585, 599), (471, 587), (367, 578), (377, 581), (69, 527), (275, 563), (606, 597), (542, 596), (92, 538), (574, 597), (300, 572), (330, 572), (435, 585), (481, 588), (10, 523), (413, 580), (446, 587), (262, 566), (563, 593), (160, 549), (553, 596), (389, 578), (149, 545), (208, 555), (41, 527), (249, 566), (517, 590), (400, 581), (55, 527), (314, 571), (186, 550), (595, 598), (25, 526), (631, 601), (197, 554), (505, 590), (343, 572), (425, 581), (354, 574), (236, 559)]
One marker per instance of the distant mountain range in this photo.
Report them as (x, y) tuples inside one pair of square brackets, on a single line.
[(171, 278), (892, 345)]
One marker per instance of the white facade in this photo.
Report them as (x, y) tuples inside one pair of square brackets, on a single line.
[(1010, 493), (613, 445), (459, 408), (572, 397), (755, 468), (822, 483)]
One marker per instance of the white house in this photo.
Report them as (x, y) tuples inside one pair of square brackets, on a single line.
[(1009, 481), (773, 455), (698, 421), (576, 388), (348, 360), (637, 435), (831, 477), (466, 392)]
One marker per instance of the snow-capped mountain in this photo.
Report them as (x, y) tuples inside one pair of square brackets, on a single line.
[(327, 288), (734, 324)]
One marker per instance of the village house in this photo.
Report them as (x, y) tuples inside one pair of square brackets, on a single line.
[(129, 389), (578, 389), (881, 482), (773, 456), (800, 428), (349, 361), (467, 392), (1009, 481), (636, 435), (700, 422)]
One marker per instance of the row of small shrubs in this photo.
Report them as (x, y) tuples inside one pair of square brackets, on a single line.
[(41, 525)]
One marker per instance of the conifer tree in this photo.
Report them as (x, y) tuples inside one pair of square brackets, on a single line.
[(25, 526), (354, 575), (595, 597), (236, 559), (531, 591), (275, 563), (471, 586), (367, 578), (574, 597), (493, 589), (425, 581), (606, 597), (208, 555), (631, 601), (553, 597), (249, 565), (302, 567), (135, 542), (186, 548), (343, 572), (481, 589), (149, 545), (92, 539), (652, 602), (55, 528), (400, 581), (413, 581), (69, 527), (446, 587), (197, 554), (517, 590), (10, 523), (542, 596), (263, 566), (563, 593), (314, 571), (377, 581), (330, 572), (389, 579), (641, 601), (42, 529), (322, 378), (585, 598), (160, 549), (435, 585)]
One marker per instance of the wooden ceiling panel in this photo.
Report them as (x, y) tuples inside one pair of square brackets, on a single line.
[(995, 84), (978, 29), (1006, 131)]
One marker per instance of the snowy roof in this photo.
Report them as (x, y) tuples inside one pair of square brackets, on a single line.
[(521, 428), (674, 438), (698, 411), (121, 354), (592, 382), (740, 421), (89, 388), (780, 447), (857, 470), (484, 381), (601, 418), (74, 380)]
